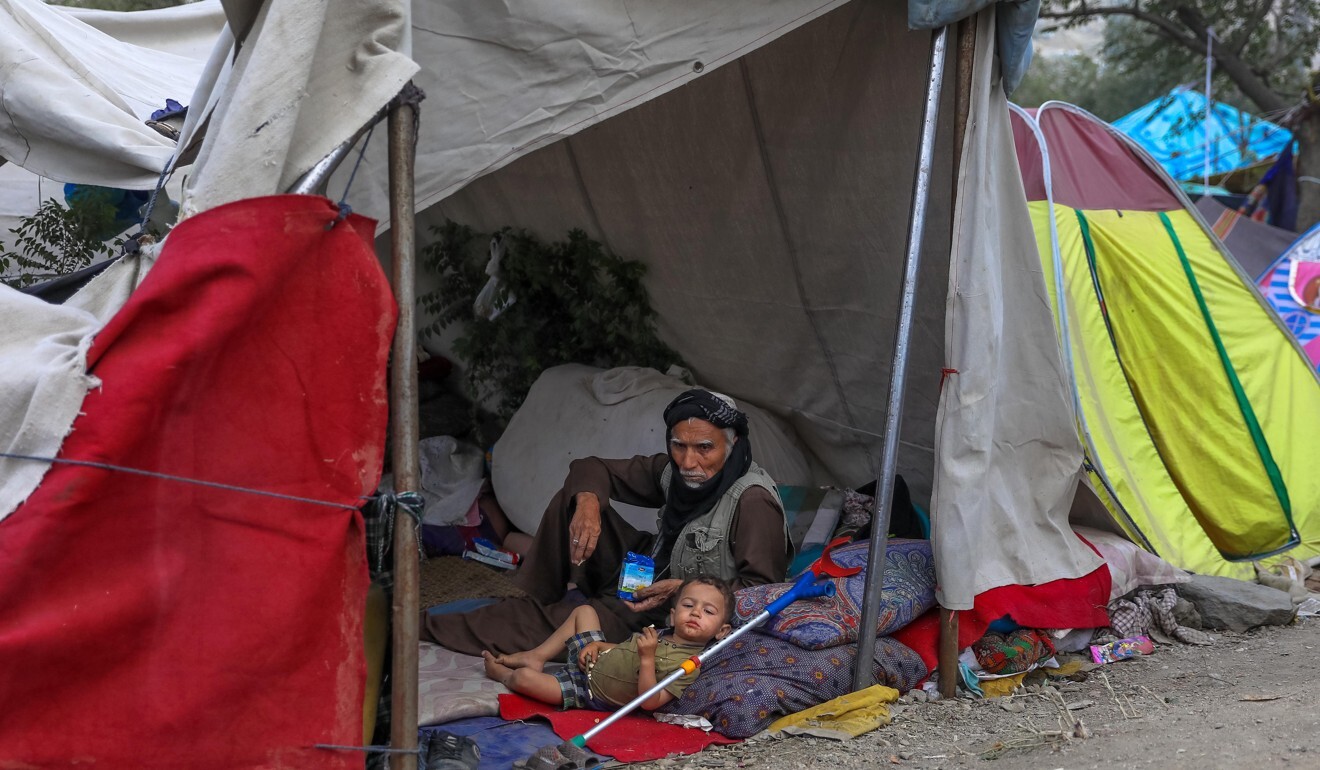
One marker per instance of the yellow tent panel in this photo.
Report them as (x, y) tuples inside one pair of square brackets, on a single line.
[(1189, 391)]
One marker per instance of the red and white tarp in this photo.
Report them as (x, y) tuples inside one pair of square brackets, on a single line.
[(150, 622)]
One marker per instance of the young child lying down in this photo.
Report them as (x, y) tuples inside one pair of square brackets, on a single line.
[(605, 676)]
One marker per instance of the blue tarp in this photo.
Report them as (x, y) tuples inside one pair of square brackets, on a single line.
[(1173, 127)]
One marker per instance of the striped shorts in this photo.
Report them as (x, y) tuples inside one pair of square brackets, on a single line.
[(573, 684)]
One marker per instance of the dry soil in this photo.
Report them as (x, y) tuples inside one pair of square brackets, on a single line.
[(1248, 701)]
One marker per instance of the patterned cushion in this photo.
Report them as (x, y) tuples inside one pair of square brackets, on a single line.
[(815, 624), (759, 678)]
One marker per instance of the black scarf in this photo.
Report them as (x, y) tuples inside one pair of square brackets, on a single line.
[(684, 503)]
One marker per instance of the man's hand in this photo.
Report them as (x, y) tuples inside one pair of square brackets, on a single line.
[(584, 528), (653, 595), (647, 640), (591, 653)]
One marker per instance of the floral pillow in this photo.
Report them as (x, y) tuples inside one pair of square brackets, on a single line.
[(814, 624)]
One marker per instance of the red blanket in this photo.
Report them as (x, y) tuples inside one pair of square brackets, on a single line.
[(149, 623), (1069, 603), (634, 738)]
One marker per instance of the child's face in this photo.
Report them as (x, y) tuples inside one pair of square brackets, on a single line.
[(698, 615)]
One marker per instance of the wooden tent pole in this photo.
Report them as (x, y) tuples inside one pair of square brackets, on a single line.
[(403, 424), (966, 47)]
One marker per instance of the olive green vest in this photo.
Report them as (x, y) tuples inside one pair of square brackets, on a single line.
[(704, 546)]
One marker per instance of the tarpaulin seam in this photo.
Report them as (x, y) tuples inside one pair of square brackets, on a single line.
[(592, 119), (1095, 277), (1089, 247), (793, 256), (586, 195), (1244, 404)]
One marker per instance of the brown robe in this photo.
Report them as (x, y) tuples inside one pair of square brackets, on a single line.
[(512, 625)]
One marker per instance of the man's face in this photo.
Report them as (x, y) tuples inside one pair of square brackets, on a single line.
[(699, 450)]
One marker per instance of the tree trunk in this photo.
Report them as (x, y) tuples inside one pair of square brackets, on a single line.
[(1307, 133)]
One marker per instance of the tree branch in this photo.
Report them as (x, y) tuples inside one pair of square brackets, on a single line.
[(1253, 86), (1175, 32), (1189, 31), (1257, 18)]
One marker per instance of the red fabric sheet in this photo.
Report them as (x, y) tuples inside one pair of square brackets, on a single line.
[(634, 738), (149, 623), (1069, 603)]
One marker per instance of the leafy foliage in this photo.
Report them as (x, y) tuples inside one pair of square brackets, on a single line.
[(57, 240), (1264, 48), (569, 301), (1264, 57), (1090, 83)]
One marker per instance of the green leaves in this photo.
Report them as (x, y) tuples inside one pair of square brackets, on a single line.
[(564, 302), (57, 241), (1264, 48)]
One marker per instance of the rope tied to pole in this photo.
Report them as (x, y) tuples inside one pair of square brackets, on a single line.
[(344, 208), (179, 479), (408, 95), (382, 509)]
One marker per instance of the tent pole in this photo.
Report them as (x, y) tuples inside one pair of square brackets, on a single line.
[(403, 422), (864, 669), (966, 55), (313, 182)]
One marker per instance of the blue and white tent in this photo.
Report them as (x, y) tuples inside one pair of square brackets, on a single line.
[(1173, 129)]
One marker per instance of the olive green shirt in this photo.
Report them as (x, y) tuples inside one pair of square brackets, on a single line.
[(614, 677)]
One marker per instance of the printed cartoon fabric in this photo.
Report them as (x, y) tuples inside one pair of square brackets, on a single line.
[(816, 624), (760, 678)]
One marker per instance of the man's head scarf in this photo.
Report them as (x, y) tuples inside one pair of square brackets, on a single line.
[(685, 503)]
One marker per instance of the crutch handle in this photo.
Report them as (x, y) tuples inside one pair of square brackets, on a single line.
[(805, 588)]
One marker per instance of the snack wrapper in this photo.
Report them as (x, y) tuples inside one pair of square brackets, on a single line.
[(1123, 648)]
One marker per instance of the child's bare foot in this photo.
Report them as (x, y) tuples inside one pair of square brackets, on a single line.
[(494, 669), (521, 660)]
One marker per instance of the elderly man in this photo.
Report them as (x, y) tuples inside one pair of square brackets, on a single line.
[(719, 515)]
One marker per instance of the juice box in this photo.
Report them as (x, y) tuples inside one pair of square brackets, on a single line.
[(638, 573)]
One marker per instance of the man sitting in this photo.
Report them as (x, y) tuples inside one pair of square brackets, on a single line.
[(719, 514)]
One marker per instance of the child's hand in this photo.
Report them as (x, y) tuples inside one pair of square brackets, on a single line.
[(647, 640), (591, 653)]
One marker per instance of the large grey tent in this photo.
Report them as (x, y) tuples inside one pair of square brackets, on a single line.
[(725, 143), (759, 158)]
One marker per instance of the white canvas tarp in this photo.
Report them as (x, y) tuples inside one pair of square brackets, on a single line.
[(43, 370), (1009, 459), (76, 98), (308, 74)]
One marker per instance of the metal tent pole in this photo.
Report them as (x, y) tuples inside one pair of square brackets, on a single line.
[(404, 431), (966, 59), (863, 671), (313, 181)]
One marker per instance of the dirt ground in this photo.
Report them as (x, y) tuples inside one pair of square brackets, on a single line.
[(1248, 701)]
